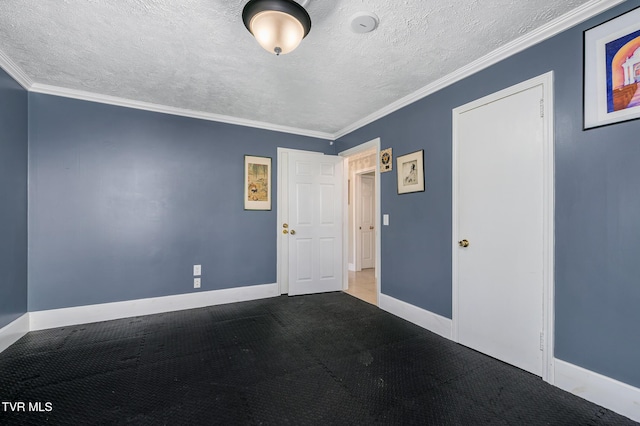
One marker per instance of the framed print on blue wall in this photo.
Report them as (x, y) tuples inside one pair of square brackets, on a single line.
[(257, 183), (612, 71), (410, 171)]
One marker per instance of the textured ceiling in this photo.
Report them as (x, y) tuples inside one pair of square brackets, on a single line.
[(197, 54)]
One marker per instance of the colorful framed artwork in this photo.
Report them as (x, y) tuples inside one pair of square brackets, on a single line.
[(410, 171), (386, 160), (257, 183), (612, 71)]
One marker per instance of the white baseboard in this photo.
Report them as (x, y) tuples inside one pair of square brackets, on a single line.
[(10, 333), (616, 396), (605, 391), (602, 390), (41, 320), (425, 319)]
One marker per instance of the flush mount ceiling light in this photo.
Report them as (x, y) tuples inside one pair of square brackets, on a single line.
[(278, 25)]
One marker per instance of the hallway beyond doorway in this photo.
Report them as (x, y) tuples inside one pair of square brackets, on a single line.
[(362, 285)]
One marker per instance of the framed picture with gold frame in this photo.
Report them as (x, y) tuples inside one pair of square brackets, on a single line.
[(257, 183), (410, 172), (386, 160)]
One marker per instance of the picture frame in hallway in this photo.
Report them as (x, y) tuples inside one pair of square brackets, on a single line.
[(386, 160), (410, 172), (257, 183), (611, 71)]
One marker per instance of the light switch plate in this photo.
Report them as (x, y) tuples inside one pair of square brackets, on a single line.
[(385, 219), (197, 270), (196, 282)]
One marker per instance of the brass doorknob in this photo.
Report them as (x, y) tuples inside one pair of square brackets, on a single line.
[(293, 232), (463, 243), (371, 227), (285, 225), (284, 231)]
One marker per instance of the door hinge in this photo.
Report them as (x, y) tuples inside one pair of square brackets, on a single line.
[(541, 108), (541, 341)]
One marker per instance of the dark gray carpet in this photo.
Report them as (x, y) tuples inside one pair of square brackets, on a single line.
[(307, 360)]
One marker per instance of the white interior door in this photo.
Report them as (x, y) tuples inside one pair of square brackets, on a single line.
[(366, 225), (315, 212), (498, 277)]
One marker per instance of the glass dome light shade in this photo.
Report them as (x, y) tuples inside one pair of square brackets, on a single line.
[(277, 32), (277, 25)]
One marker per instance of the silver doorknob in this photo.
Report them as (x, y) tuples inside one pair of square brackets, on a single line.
[(463, 243)]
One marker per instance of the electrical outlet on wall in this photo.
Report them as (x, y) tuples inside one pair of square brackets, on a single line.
[(197, 270), (196, 282)]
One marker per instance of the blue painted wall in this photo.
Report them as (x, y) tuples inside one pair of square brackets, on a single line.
[(13, 200), (123, 202), (597, 207)]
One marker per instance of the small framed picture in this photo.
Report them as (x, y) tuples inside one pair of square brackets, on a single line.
[(612, 71), (410, 172), (257, 183), (386, 160)]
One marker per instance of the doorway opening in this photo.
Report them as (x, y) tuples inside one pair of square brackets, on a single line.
[(363, 234), (365, 275)]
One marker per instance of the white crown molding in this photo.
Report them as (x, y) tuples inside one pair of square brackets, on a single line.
[(12, 332), (15, 71), (575, 17), (558, 25), (25, 81), (147, 106), (41, 320)]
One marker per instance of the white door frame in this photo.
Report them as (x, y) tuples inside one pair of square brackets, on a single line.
[(357, 208), (547, 340), (375, 143)]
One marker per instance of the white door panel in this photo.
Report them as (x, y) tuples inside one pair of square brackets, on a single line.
[(367, 223), (500, 212), (315, 223)]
